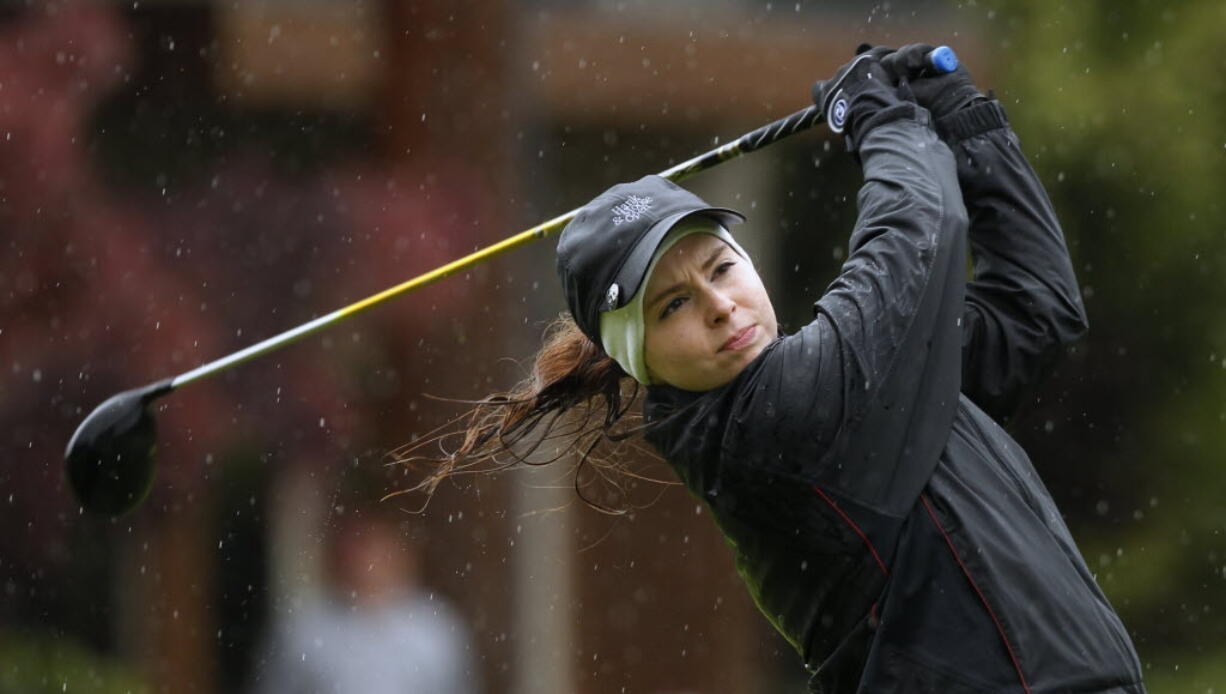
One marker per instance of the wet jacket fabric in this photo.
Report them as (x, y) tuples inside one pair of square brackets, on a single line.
[(882, 520)]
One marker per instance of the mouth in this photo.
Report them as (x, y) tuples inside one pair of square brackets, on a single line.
[(742, 339)]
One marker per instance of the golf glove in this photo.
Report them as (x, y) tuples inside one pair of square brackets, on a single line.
[(861, 95), (941, 94)]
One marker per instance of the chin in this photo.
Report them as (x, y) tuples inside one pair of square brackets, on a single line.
[(750, 353), (731, 371)]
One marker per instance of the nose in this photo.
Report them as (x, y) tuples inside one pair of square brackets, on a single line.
[(720, 308)]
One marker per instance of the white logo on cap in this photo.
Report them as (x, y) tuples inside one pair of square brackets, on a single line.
[(630, 210), (610, 298)]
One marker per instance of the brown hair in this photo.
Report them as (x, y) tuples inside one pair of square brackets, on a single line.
[(576, 395)]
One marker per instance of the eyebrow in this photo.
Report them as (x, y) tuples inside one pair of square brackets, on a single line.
[(680, 285)]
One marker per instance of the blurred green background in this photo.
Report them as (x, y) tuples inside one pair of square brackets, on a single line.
[(1124, 105)]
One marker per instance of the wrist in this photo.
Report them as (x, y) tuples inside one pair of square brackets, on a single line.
[(892, 146), (902, 110), (976, 118)]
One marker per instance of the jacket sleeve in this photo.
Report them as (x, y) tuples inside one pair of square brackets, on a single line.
[(860, 401), (1022, 304)]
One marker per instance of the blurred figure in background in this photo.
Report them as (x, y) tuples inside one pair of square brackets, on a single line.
[(372, 628)]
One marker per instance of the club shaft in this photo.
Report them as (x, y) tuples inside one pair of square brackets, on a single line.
[(941, 59), (796, 122), (315, 325)]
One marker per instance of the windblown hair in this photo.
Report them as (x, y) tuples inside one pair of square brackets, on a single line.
[(577, 400)]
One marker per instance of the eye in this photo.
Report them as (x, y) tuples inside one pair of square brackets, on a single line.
[(723, 267), (672, 306)]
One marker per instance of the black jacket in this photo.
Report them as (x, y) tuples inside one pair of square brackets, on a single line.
[(883, 522)]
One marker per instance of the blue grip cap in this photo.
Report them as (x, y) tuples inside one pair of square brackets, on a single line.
[(943, 59)]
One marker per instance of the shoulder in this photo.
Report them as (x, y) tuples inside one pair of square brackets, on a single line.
[(432, 609)]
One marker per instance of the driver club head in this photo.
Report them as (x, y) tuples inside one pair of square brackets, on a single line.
[(111, 456)]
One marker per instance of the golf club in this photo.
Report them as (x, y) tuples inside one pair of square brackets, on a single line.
[(110, 458)]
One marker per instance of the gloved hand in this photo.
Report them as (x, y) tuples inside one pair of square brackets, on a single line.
[(861, 95), (941, 94)]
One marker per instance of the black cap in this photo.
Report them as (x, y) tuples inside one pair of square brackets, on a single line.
[(605, 250)]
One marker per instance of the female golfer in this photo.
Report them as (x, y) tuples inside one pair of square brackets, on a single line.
[(882, 520)]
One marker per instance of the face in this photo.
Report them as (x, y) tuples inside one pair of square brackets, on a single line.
[(706, 315), (370, 562)]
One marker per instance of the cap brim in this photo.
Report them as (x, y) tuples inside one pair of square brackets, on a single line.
[(630, 276)]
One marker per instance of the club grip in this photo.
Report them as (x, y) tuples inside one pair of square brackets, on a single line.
[(773, 132), (942, 59)]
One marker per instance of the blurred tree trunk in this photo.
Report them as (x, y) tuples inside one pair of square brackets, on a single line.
[(165, 578), (444, 95), (444, 130)]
